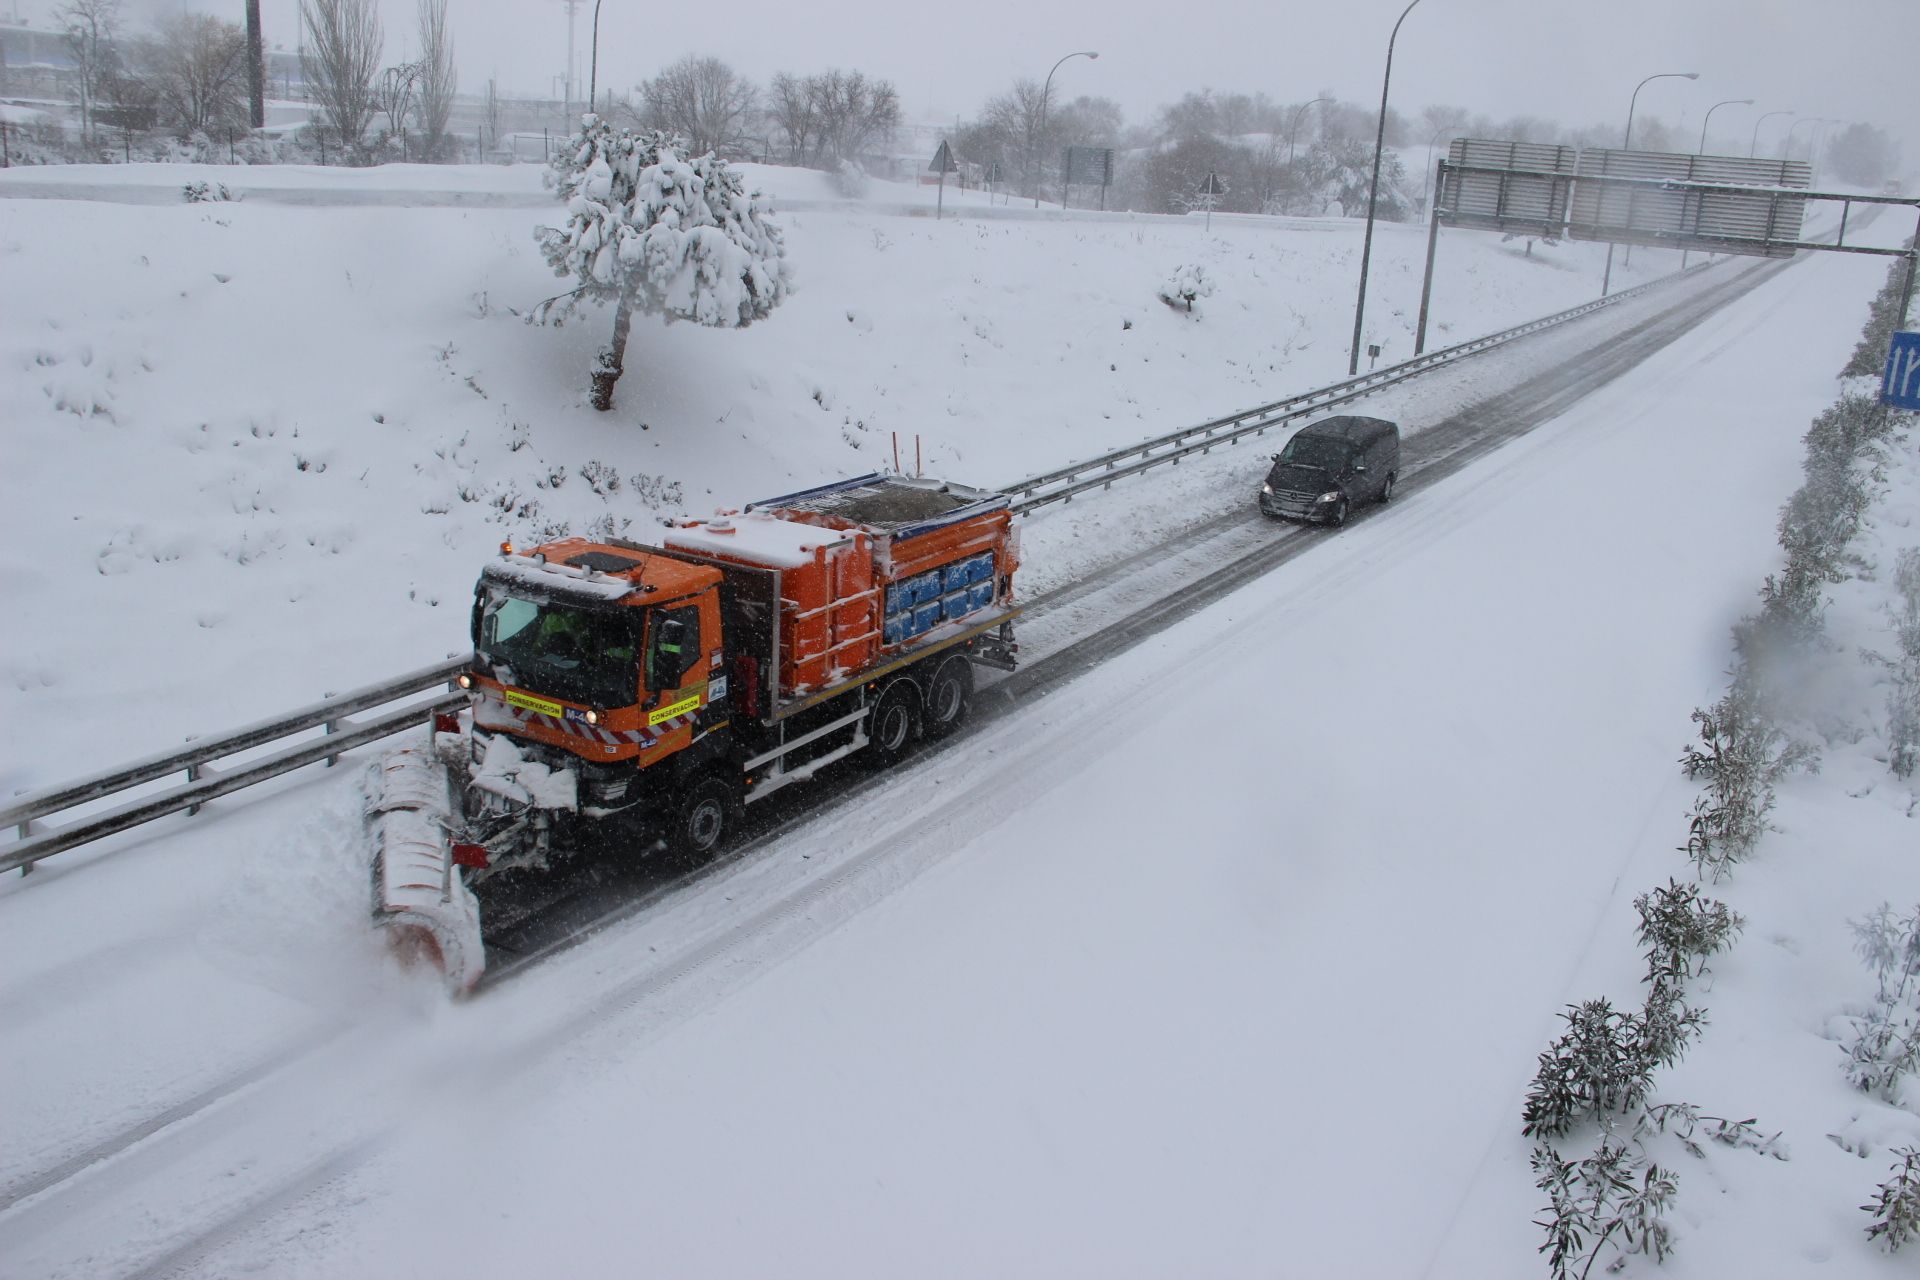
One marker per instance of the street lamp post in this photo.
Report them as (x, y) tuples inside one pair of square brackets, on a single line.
[(1730, 102), (1754, 146), (1373, 196), (1702, 149), (1293, 126), (593, 60), (1606, 279), (1041, 132), (1426, 179)]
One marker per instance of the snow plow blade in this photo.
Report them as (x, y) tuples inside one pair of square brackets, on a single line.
[(420, 898)]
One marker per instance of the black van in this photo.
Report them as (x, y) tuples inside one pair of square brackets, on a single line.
[(1332, 466)]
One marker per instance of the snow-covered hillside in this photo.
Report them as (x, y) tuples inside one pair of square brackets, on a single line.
[(269, 444)]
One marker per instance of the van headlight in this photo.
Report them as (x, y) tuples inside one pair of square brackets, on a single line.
[(1267, 489), (1329, 497)]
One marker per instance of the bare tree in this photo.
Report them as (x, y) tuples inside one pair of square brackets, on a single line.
[(702, 100), (793, 109), (1016, 117), (393, 96), (855, 113), (198, 74), (832, 116), (90, 27), (341, 58), (438, 81)]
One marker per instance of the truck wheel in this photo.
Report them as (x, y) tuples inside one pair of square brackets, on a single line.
[(703, 821), (893, 724), (948, 696)]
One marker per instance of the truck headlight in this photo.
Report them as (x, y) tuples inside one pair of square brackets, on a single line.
[(1329, 497)]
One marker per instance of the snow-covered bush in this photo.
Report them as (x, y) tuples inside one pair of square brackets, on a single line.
[(1679, 929), (1870, 357), (1843, 465), (1597, 1067), (848, 180), (1741, 755), (1614, 1192), (1186, 284), (1684, 1121), (1886, 1041), (206, 193), (1903, 703), (1896, 1212), (649, 228)]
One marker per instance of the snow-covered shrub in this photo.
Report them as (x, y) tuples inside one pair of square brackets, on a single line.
[(1597, 1067), (1886, 1042), (1883, 317), (1903, 703), (1896, 1212), (1843, 465), (600, 477), (1741, 755), (206, 192), (652, 229), (1684, 1121), (1612, 1193), (1679, 929), (1186, 284), (849, 180)]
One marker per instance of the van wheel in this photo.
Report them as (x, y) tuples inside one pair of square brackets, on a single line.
[(1339, 516), (703, 821), (1386, 490), (949, 696), (893, 724)]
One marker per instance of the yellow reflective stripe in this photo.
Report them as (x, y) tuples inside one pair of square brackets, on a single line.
[(679, 708), (532, 703)]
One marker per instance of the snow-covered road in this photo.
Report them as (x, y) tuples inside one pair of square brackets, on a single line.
[(1212, 962)]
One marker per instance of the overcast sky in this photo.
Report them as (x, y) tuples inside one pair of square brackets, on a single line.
[(1575, 61)]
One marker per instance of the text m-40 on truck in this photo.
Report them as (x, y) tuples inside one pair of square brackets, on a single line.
[(634, 699)]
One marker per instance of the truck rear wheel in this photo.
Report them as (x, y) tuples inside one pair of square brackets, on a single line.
[(893, 724), (703, 820), (949, 696)]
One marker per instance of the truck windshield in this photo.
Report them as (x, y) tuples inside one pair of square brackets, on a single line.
[(583, 655), (1317, 451)]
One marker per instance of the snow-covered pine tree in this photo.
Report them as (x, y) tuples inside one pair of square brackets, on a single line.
[(649, 228)]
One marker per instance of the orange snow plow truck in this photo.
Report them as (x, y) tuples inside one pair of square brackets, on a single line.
[(634, 699)]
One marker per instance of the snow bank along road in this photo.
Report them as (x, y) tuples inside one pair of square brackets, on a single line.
[(313, 1099)]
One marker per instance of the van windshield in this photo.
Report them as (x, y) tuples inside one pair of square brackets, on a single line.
[(1318, 451)]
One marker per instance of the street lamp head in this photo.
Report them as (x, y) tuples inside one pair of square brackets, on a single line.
[(1093, 55), (1691, 75)]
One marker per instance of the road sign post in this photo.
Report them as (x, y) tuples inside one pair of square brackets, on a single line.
[(1900, 385), (1210, 192), (943, 165)]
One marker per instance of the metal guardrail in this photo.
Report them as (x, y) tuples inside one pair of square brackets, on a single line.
[(1061, 485), (204, 782)]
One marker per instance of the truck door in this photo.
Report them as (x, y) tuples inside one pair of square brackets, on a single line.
[(683, 641)]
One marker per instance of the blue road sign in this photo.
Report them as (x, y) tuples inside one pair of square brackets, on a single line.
[(1901, 385)]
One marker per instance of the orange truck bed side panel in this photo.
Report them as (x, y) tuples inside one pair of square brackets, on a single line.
[(835, 572)]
